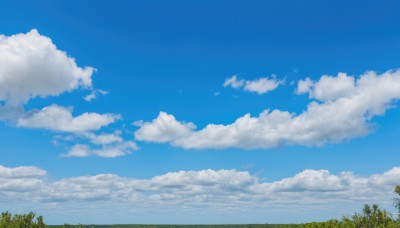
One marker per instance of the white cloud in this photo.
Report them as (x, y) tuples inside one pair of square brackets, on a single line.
[(344, 112), (304, 86), (93, 95), (21, 172), (20, 179), (107, 151), (328, 88), (103, 138), (312, 180), (57, 118), (117, 150), (233, 82), (163, 129), (227, 178), (390, 177), (107, 145), (79, 150), (32, 66), (260, 86)]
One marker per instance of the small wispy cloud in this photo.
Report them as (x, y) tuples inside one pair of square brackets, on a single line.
[(93, 95), (106, 150), (260, 85)]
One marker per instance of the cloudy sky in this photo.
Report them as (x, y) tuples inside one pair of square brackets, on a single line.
[(198, 111)]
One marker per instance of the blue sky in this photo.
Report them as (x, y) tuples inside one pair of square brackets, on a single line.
[(175, 57)]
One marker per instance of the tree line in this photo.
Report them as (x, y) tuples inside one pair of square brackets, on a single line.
[(371, 217)]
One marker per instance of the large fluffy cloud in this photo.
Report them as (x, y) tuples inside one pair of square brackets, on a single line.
[(343, 110), (32, 66)]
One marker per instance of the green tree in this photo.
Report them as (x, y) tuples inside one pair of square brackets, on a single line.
[(372, 217), (397, 201), (21, 220)]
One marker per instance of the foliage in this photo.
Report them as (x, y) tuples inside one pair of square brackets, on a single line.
[(397, 201), (371, 217), (21, 220)]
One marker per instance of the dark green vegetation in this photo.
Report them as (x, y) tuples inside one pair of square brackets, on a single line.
[(371, 217), (397, 201), (26, 220)]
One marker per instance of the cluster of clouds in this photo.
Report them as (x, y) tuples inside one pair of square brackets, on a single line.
[(204, 188), (32, 67), (341, 108), (260, 86)]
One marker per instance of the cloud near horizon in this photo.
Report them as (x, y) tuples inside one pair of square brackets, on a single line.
[(203, 188), (342, 109)]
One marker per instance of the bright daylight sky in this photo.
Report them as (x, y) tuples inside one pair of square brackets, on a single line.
[(198, 111)]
